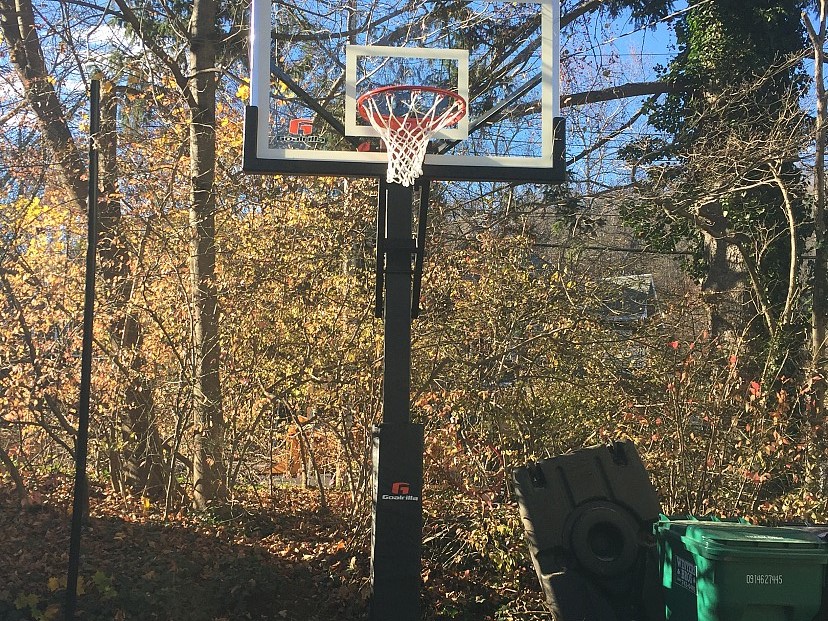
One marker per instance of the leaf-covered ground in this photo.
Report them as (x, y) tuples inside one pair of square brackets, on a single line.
[(276, 559)]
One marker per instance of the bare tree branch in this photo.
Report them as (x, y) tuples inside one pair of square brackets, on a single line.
[(622, 91)]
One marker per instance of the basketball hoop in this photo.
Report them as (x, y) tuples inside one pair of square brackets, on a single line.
[(406, 118)]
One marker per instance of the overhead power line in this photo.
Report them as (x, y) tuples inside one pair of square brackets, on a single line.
[(614, 249)]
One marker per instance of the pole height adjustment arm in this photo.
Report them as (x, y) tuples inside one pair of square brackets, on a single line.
[(379, 282), (419, 256)]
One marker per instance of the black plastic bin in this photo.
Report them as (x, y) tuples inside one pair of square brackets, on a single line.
[(588, 518)]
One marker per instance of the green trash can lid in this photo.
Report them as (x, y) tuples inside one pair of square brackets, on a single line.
[(717, 540)]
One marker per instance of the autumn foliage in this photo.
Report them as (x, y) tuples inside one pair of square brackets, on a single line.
[(517, 357), (512, 363)]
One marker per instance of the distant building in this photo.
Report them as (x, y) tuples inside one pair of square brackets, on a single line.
[(628, 299), (627, 304)]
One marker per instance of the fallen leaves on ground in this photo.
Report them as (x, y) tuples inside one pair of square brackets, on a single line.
[(239, 562), (281, 558)]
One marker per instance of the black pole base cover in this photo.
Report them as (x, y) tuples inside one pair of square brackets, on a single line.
[(588, 517), (396, 537)]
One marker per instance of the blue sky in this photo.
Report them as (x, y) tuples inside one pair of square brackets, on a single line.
[(654, 44)]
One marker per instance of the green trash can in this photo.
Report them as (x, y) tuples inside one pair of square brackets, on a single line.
[(731, 571)]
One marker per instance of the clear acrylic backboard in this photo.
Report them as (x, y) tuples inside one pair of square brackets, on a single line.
[(311, 62)]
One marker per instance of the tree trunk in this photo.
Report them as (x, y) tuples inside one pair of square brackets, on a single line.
[(819, 310), (725, 287), (208, 465), (19, 485), (141, 466), (26, 54)]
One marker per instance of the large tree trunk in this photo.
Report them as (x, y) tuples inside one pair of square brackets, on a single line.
[(26, 54), (142, 455), (725, 287), (208, 464)]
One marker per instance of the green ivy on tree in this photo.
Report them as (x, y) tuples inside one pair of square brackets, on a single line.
[(722, 165)]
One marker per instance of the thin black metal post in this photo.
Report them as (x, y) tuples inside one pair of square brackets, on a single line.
[(396, 536), (82, 438)]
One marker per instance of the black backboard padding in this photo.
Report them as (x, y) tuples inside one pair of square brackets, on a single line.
[(253, 164)]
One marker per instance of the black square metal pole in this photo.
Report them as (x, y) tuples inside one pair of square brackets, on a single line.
[(399, 251), (396, 535)]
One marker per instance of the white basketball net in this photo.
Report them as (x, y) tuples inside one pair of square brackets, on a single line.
[(406, 135)]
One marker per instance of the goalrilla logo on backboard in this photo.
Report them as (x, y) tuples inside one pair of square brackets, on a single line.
[(300, 131), (400, 491)]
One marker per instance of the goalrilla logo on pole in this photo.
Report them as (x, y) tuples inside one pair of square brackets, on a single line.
[(400, 491)]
